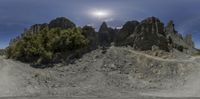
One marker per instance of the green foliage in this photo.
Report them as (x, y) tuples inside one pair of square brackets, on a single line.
[(43, 46)]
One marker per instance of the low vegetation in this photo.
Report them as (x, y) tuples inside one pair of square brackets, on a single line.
[(46, 45)]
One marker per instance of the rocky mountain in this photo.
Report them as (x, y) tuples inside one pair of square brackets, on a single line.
[(147, 34), (143, 35), (126, 31), (183, 44), (150, 33), (106, 35), (61, 40)]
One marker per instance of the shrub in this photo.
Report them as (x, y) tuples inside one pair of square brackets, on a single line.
[(41, 47)]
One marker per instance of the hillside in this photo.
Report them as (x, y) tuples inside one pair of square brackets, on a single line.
[(61, 41), (120, 72), (143, 59)]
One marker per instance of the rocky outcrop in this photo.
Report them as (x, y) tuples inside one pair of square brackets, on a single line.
[(106, 35), (38, 27), (151, 32), (92, 36), (188, 40), (144, 35), (177, 41), (127, 29), (62, 23), (170, 29)]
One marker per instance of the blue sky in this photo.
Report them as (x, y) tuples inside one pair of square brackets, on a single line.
[(16, 15)]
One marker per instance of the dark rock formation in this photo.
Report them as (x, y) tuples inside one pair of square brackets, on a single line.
[(127, 29), (106, 35), (91, 35), (144, 35), (170, 28), (177, 40), (38, 27), (62, 23), (151, 32), (188, 40)]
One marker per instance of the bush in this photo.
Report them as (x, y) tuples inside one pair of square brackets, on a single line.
[(43, 46)]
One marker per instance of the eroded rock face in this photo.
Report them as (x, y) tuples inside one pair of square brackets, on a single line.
[(127, 29), (170, 28), (188, 40), (150, 32), (106, 35), (177, 41)]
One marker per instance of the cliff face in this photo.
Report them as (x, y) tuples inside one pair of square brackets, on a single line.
[(106, 35), (147, 34), (151, 32), (125, 32), (143, 35), (188, 40), (177, 41)]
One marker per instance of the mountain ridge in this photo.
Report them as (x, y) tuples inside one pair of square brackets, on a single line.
[(149, 34)]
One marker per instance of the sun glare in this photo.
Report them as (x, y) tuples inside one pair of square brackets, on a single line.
[(100, 13)]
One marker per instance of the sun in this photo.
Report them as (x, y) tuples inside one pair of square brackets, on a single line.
[(100, 13)]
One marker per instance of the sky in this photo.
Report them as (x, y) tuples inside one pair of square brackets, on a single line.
[(16, 15)]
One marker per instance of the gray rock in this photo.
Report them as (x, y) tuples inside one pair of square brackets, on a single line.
[(188, 40), (106, 35), (127, 29), (148, 33)]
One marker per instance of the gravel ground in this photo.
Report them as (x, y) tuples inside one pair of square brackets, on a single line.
[(120, 73)]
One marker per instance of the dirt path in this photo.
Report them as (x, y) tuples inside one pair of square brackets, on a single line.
[(161, 59), (13, 78), (191, 87), (7, 82)]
